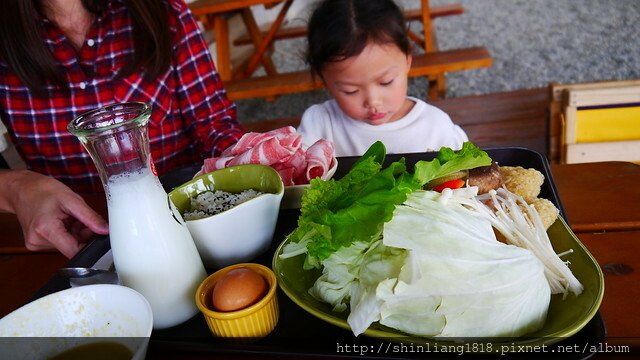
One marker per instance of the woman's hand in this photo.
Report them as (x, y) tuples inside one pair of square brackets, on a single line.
[(50, 213)]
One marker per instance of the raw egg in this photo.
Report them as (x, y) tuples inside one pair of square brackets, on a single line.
[(238, 289)]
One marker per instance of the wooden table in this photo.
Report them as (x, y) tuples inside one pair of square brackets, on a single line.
[(617, 254), (214, 14), (602, 203), (601, 196), (608, 222)]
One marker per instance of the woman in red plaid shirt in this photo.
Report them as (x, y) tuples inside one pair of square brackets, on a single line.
[(62, 58)]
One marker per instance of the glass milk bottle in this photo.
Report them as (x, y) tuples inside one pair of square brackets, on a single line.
[(153, 251)]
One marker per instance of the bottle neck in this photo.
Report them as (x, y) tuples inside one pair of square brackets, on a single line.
[(119, 152), (116, 138)]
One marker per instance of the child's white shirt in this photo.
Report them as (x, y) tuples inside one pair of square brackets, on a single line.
[(424, 128)]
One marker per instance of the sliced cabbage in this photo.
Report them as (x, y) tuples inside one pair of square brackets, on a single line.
[(348, 272), (457, 279), (439, 270)]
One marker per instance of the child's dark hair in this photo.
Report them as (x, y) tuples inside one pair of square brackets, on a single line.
[(339, 29)]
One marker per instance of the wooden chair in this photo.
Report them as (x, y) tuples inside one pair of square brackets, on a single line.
[(594, 122)]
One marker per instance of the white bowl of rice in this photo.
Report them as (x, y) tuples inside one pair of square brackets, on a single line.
[(231, 213)]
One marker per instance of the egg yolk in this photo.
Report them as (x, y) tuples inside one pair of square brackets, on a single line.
[(238, 289)]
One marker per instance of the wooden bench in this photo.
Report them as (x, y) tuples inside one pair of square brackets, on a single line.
[(298, 31), (434, 63)]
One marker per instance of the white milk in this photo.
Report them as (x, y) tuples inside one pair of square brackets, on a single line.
[(153, 252)]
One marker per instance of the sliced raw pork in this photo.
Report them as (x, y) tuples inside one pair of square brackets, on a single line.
[(281, 149)]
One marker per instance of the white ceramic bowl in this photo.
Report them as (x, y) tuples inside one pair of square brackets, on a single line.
[(243, 232), (293, 194), (78, 317)]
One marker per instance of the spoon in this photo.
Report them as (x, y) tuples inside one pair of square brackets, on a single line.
[(80, 272), (79, 276)]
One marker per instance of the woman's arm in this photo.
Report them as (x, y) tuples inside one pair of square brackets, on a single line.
[(203, 100), (51, 215)]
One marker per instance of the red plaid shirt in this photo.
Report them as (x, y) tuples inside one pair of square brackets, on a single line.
[(191, 118)]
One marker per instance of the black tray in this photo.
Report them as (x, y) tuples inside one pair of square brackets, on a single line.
[(298, 333)]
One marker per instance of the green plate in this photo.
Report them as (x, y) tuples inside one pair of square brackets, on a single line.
[(565, 317)]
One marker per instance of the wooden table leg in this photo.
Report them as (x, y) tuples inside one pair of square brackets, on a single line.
[(254, 33), (437, 83), (223, 55), (426, 23), (415, 37), (267, 40)]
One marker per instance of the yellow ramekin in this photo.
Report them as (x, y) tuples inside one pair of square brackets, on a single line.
[(255, 321)]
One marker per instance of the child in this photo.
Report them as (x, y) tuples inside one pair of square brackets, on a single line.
[(361, 51)]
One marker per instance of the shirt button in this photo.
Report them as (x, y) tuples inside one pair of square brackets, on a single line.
[(90, 42), (83, 85)]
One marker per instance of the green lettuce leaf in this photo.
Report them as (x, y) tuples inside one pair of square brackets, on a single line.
[(449, 161), (337, 213)]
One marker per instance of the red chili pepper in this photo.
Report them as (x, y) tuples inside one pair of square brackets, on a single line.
[(451, 184)]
